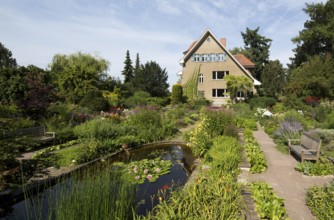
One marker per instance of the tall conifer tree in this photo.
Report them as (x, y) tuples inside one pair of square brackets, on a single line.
[(258, 48), (128, 68)]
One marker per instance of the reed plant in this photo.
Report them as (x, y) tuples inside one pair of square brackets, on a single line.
[(97, 193), (211, 196), (225, 153), (214, 193)]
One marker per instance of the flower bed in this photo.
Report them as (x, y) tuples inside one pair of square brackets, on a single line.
[(267, 204), (320, 201), (254, 154), (321, 168)]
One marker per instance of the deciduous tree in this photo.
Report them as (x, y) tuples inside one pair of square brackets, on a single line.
[(13, 85), (77, 74), (39, 92), (314, 78), (6, 59), (317, 37), (237, 84)]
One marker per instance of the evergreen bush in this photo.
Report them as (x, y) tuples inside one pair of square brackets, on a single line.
[(231, 131), (95, 101), (177, 94), (262, 102)]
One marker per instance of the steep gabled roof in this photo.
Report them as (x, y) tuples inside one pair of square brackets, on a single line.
[(191, 46), (196, 44), (244, 61), (222, 40)]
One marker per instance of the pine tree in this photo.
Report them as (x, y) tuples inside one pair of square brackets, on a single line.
[(258, 48), (137, 65), (152, 78), (128, 68), (6, 59)]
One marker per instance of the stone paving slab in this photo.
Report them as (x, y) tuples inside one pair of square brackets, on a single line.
[(286, 182)]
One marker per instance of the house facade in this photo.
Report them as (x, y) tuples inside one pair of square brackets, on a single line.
[(209, 61)]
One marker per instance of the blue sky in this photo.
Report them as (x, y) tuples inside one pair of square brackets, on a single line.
[(159, 30)]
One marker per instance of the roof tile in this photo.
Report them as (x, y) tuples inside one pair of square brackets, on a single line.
[(244, 60)]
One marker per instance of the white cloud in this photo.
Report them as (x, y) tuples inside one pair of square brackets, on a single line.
[(168, 7), (158, 30)]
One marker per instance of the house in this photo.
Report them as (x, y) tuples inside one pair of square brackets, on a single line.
[(207, 61)]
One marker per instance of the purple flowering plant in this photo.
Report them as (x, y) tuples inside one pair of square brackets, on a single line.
[(290, 128)]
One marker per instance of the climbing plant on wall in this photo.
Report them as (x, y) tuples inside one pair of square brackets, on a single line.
[(190, 88)]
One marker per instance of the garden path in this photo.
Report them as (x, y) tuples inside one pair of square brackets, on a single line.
[(286, 182), (27, 155), (179, 136)]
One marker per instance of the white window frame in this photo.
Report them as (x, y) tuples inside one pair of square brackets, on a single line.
[(215, 74), (215, 93), (201, 78), (200, 94)]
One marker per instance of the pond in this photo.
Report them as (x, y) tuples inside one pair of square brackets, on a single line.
[(146, 195)]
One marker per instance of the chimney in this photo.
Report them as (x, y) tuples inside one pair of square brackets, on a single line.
[(223, 41)]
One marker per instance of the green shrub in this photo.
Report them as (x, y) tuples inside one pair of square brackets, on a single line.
[(175, 114), (208, 197), (94, 101), (293, 115), (321, 168), (270, 130), (62, 115), (320, 113), (225, 153), (320, 201), (217, 120), (89, 151), (145, 117), (243, 110), (150, 125), (98, 129), (9, 111), (294, 102), (139, 98), (201, 102), (279, 108), (199, 138), (254, 154), (290, 127), (242, 122), (329, 124), (261, 102), (7, 124), (176, 94), (248, 134), (158, 101), (212, 124), (231, 131)]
